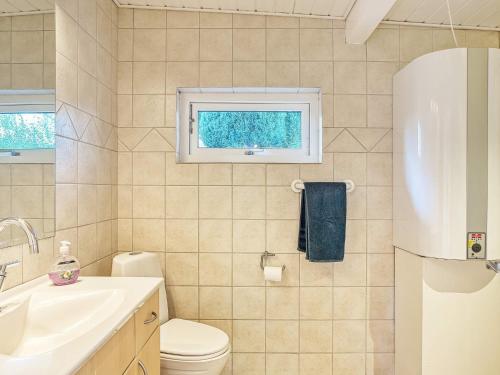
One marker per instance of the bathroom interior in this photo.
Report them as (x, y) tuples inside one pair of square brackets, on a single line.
[(249, 187)]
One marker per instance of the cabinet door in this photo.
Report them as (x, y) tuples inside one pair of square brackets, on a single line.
[(146, 321), (133, 369), (148, 360)]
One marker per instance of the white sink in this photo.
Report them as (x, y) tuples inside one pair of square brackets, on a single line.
[(55, 318), (50, 329)]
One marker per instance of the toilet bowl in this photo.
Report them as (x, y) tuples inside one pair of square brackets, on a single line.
[(186, 347)]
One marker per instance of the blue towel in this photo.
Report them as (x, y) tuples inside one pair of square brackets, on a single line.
[(323, 221)]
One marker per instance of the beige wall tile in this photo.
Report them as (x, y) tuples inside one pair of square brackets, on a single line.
[(282, 45), (249, 74), (148, 202), (316, 364), (181, 269), (180, 174), (249, 235), (249, 202), (246, 270), (215, 303), (181, 235), (181, 202), (215, 269), (282, 364), (215, 202), (216, 74), (249, 174), (249, 44), (249, 302), (282, 303), (316, 336), (349, 303), (183, 302), (183, 45), (379, 363), (216, 20), (350, 272), (249, 363), (315, 274), (348, 336), (316, 302), (316, 45), (148, 110), (148, 168), (282, 336), (216, 235), (414, 43), (216, 174), (148, 77), (379, 203), (176, 19), (379, 236), (276, 22), (349, 364), (248, 21), (380, 336), (150, 19), (216, 45), (249, 336), (380, 269), (181, 74), (282, 203), (282, 74), (383, 45), (282, 235), (317, 74), (148, 235), (149, 45), (350, 77)]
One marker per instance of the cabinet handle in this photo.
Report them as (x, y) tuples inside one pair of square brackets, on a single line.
[(154, 316), (143, 368)]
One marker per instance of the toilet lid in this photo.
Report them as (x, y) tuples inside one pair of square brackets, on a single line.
[(187, 338)]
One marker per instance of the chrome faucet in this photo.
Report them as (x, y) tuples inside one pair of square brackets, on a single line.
[(32, 241)]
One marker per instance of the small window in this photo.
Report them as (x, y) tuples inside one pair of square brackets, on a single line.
[(249, 125), (27, 126)]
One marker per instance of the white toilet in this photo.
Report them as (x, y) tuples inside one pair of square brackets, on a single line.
[(186, 347)]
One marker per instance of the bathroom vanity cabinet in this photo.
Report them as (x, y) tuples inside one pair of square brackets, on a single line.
[(134, 349)]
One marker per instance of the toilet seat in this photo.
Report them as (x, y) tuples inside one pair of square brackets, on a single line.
[(184, 340)]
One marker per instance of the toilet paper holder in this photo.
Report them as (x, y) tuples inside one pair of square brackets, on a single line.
[(263, 259)]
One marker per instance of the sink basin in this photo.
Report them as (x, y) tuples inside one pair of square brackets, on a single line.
[(55, 318), (49, 329)]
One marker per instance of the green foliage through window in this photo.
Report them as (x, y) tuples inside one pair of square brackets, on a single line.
[(26, 131), (249, 129)]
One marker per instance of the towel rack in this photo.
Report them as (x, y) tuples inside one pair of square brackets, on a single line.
[(297, 185)]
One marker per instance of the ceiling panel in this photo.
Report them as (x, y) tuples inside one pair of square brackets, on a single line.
[(328, 8), (19, 6), (466, 13)]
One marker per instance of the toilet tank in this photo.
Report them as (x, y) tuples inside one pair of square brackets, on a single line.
[(446, 160), (142, 264)]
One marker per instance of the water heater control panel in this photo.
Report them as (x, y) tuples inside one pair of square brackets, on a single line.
[(476, 245)]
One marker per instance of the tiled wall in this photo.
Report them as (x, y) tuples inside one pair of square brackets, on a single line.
[(86, 142), (210, 222), (27, 52), (86, 165), (27, 191)]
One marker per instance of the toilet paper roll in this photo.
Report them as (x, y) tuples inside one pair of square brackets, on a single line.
[(272, 273)]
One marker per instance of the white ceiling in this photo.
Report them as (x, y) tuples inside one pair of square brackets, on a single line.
[(9, 7), (472, 13), (329, 8), (466, 13)]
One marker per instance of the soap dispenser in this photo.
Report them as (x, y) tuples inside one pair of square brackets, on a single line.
[(66, 269)]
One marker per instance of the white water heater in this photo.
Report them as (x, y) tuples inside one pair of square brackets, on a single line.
[(447, 213), (447, 155)]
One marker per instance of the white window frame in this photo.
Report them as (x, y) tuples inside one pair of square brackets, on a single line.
[(15, 101), (306, 101)]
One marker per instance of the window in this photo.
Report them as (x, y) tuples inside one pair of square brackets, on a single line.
[(27, 126), (249, 125)]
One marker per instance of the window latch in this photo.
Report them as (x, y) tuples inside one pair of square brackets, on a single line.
[(252, 152), (9, 153)]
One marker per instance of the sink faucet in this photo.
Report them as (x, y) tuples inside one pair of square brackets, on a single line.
[(32, 241)]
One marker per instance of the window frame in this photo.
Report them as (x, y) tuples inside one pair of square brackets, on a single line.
[(192, 100), (34, 101)]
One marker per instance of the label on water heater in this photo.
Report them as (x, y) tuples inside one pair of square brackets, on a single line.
[(476, 245)]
